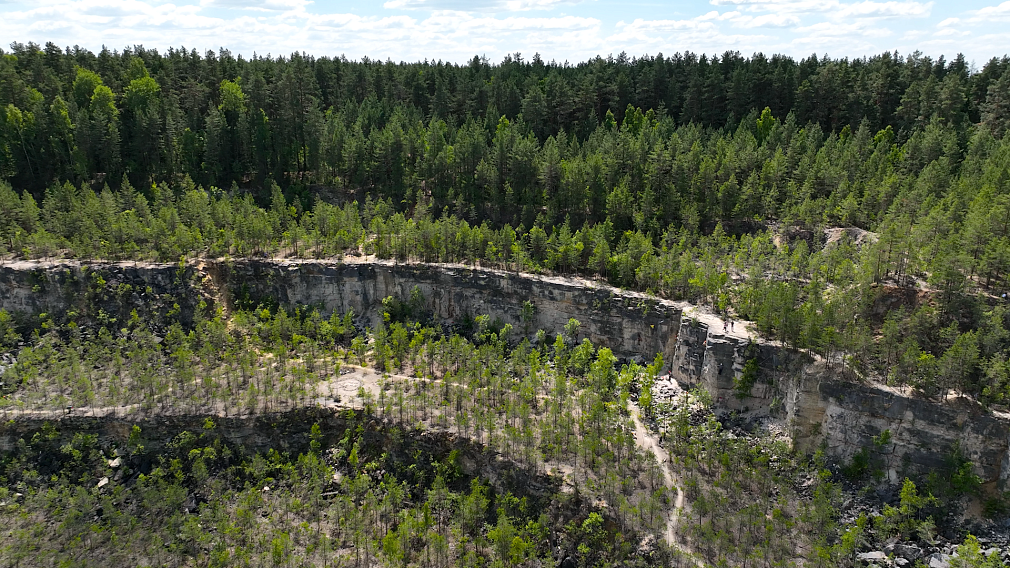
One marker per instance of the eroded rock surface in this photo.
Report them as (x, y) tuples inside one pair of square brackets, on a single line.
[(816, 404), (819, 405)]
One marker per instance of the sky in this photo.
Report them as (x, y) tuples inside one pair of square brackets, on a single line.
[(559, 30)]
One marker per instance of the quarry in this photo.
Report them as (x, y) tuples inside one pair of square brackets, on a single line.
[(815, 403)]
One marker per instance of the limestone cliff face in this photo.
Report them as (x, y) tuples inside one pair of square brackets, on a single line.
[(629, 324), (923, 433), (30, 288), (822, 409), (717, 361), (816, 404)]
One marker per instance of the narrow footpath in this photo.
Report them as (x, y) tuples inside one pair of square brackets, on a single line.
[(648, 441)]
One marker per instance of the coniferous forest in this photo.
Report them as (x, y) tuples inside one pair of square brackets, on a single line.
[(811, 197)]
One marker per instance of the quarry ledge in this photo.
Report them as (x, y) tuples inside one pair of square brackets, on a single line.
[(819, 406)]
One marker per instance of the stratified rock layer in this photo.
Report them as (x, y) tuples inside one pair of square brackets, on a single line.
[(817, 404)]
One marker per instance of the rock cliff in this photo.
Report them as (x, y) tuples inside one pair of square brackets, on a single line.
[(817, 406), (820, 408), (630, 324)]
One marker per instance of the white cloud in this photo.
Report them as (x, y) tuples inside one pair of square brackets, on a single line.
[(884, 10), (447, 35), (767, 21), (477, 5), (999, 13), (830, 37), (702, 34), (716, 16), (834, 29), (455, 30), (828, 25), (951, 32), (780, 6), (833, 9), (260, 5), (641, 26)]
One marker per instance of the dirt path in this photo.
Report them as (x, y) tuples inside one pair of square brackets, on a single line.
[(348, 386), (342, 391), (648, 441)]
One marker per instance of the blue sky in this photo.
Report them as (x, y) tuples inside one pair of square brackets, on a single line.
[(572, 30)]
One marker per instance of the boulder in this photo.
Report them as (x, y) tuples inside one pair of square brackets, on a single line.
[(938, 560), (907, 551), (875, 557)]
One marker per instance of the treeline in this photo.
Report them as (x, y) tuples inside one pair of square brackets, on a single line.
[(941, 209), (400, 128)]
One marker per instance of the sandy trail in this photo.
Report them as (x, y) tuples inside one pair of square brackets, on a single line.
[(741, 329), (351, 381), (348, 386), (648, 441)]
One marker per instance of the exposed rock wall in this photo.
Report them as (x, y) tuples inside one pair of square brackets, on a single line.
[(816, 404), (923, 433), (630, 324), (282, 431), (31, 288), (822, 409)]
